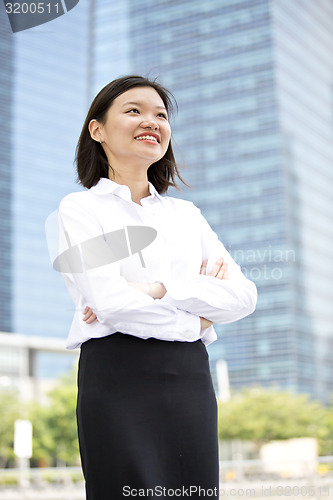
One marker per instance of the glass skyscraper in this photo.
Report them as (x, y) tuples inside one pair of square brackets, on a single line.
[(253, 81), (44, 96), (6, 83), (303, 48), (253, 137)]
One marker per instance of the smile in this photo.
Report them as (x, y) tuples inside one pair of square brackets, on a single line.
[(147, 138)]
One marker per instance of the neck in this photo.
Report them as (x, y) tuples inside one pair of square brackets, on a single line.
[(135, 178)]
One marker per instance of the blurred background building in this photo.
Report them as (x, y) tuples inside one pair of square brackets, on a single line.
[(254, 139), (19, 361), (6, 83)]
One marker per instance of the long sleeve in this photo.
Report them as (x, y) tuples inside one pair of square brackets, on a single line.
[(220, 301), (118, 306)]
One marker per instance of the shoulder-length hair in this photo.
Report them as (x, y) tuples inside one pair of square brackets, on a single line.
[(90, 158)]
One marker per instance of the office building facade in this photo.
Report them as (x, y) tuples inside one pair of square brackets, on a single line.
[(253, 137), (44, 96), (6, 85), (253, 81)]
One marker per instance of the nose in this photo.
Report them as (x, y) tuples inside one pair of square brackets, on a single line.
[(150, 123)]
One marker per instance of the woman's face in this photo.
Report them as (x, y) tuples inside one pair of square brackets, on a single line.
[(136, 128)]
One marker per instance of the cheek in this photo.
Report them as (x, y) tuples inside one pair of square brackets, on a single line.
[(167, 135), (117, 137)]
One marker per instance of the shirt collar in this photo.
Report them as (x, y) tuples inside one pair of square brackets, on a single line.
[(106, 186)]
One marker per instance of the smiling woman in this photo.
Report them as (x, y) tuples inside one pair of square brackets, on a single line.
[(135, 131), (93, 161), (146, 408)]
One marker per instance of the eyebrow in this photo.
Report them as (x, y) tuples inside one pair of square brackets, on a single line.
[(140, 104)]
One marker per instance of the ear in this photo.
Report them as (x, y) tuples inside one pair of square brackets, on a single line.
[(95, 130)]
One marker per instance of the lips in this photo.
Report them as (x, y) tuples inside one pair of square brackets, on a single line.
[(148, 136)]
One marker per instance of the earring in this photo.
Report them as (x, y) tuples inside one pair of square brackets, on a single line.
[(100, 141)]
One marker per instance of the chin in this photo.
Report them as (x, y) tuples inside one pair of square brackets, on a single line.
[(150, 159)]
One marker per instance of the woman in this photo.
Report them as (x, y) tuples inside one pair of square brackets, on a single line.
[(150, 277)]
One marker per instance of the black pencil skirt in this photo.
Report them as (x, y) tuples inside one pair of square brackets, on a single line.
[(147, 419)]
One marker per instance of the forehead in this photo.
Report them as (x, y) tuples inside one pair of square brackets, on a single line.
[(142, 95)]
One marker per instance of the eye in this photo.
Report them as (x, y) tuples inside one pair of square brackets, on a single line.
[(163, 115), (135, 110)]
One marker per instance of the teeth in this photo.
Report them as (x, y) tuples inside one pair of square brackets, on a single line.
[(149, 137)]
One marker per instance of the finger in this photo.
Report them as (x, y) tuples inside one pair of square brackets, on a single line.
[(216, 267), (87, 313), (203, 268), (222, 271), (91, 319)]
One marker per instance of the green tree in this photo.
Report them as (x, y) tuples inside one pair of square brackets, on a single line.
[(55, 433), (262, 415), (9, 412), (326, 435), (43, 440), (62, 421)]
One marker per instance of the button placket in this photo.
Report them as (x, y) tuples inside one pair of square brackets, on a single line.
[(148, 215)]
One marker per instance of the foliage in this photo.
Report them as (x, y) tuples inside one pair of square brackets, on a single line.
[(262, 415), (9, 412), (326, 433), (61, 421), (54, 426), (55, 434), (256, 414)]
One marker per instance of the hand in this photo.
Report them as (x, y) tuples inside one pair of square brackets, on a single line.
[(89, 316), (219, 270), (205, 323)]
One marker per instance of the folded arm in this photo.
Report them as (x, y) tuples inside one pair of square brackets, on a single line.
[(116, 304), (157, 290), (219, 300)]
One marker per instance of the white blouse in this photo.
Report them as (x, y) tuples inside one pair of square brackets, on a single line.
[(171, 253)]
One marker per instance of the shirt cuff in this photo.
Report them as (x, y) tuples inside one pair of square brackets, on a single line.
[(208, 335)]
